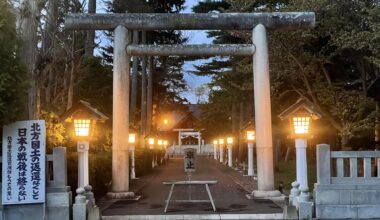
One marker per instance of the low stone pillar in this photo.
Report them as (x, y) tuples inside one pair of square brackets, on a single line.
[(305, 210), (89, 195), (80, 205), (304, 195), (294, 193)]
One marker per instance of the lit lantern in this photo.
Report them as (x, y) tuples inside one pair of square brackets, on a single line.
[(82, 127), (221, 141), (83, 118), (250, 134), (165, 143), (151, 141), (300, 115), (132, 138), (166, 121), (230, 140), (215, 142), (301, 124), (159, 143)]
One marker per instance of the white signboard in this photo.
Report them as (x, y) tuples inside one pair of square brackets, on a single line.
[(24, 162), (189, 160)]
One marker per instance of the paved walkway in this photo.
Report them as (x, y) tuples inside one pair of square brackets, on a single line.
[(229, 193)]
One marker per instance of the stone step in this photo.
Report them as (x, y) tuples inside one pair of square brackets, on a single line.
[(194, 216)]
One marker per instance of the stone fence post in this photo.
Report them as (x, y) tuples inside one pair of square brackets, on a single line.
[(58, 194), (323, 164), (80, 205), (59, 168)]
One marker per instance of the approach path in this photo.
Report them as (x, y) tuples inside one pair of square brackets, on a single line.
[(228, 195)]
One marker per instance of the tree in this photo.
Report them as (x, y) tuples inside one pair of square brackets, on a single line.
[(331, 65), (14, 80), (28, 23), (167, 77)]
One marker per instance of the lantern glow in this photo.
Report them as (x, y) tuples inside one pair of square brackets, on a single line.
[(215, 142), (82, 127), (165, 142), (221, 141), (151, 141), (230, 140), (251, 135), (159, 142), (132, 138), (166, 121), (301, 124)]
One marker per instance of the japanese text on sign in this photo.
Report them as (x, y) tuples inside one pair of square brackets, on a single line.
[(24, 162), (189, 159)]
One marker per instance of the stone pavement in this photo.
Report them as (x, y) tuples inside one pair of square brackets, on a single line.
[(229, 193)]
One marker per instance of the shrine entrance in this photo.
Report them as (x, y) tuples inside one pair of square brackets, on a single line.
[(123, 24)]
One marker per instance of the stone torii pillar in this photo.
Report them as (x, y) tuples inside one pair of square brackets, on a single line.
[(258, 22), (120, 116), (263, 115)]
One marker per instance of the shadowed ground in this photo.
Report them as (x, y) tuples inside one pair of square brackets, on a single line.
[(228, 193)]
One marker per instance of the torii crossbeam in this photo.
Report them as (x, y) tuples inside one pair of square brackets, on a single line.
[(257, 22)]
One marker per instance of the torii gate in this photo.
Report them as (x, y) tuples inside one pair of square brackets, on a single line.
[(122, 24)]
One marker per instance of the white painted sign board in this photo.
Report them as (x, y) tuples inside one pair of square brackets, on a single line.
[(24, 162), (189, 159)]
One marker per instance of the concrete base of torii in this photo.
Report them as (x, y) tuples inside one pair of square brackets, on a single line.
[(266, 193), (121, 195)]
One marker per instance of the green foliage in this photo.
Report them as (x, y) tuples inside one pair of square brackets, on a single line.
[(55, 130), (331, 65), (13, 78), (95, 84)]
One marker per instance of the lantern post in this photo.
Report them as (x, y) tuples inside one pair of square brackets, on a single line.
[(230, 141), (151, 147), (250, 134), (215, 142), (82, 132), (300, 116), (160, 144), (132, 143), (221, 150)]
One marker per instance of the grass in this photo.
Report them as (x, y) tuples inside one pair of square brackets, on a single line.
[(287, 174)]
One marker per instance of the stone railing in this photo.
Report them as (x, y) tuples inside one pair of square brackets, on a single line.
[(348, 183)]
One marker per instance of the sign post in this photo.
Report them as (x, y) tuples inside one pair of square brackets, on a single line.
[(189, 160), (24, 163)]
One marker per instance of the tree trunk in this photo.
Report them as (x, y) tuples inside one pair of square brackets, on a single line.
[(27, 24), (241, 135), (49, 47), (288, 149), (134, 80), (71, 77), (48, 43), (150, 96), (143, 91), (234, 119), (70, 90), (276, 153), (90, 35)]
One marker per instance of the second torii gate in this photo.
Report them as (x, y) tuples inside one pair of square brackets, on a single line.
[(122, 24)]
